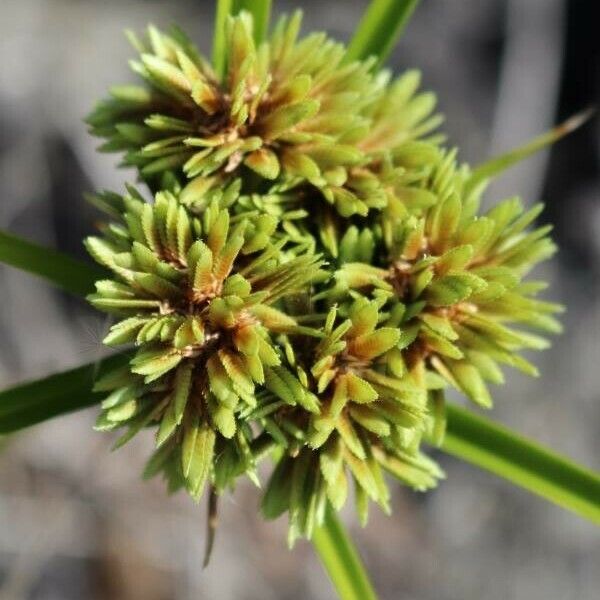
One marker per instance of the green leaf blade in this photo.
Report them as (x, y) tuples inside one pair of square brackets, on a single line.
[(36, 401), (219, 52), (63, 271), (498, 164), (494, 448), (380, 28)]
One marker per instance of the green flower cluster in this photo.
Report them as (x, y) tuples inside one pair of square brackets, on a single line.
[(291, 112), (310, 276)]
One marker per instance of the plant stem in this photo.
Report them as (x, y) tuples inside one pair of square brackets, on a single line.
[(494, 448), (341, 560)]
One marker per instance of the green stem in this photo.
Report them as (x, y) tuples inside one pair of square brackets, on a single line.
[(494, 448), (380, 28), (341, 560)]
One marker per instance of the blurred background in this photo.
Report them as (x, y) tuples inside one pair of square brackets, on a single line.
[(76, 522)]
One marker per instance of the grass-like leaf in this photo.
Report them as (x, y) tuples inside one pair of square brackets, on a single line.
[(500, 163), (219, 52), (36, 401), (490, 446), (59, 269), (380, 28), (341, 560)]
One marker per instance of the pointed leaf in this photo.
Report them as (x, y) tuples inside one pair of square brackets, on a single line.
[(59, 269), (379, 29), (500, 163), (61, 393), (495, 448)]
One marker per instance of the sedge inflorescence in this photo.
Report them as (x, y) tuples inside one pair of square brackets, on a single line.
[(309, 275)]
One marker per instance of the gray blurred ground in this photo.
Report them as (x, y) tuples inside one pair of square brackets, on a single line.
[(76, 522)]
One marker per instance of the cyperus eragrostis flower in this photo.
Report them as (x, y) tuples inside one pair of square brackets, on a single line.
[(290, 110), (197, 297), (311, 275)]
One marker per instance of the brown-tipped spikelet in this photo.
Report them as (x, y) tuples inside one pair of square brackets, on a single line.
[(310, 276)]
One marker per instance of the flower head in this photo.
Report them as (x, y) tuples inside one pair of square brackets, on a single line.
[(291, 110), (367, 419), (196, 297), (453, 280), (311, 276)]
